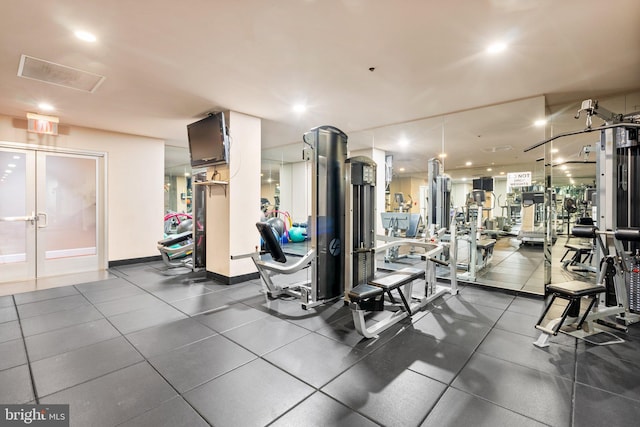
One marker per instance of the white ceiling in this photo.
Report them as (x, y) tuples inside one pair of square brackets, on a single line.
[(169, 62)]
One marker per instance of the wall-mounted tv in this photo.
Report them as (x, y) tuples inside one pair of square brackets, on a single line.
[(208, 141)]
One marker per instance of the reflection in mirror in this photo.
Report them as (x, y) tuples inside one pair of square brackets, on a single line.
[(523, 198), (178, 191)]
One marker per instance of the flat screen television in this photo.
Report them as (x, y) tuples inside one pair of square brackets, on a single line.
[(208, 141)]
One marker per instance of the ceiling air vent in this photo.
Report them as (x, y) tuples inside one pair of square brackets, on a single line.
[(497, 149), (56, 74)]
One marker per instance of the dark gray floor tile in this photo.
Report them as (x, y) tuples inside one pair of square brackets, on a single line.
[(68, 369), (190, 366), (458, 308), (610, 374), (531, 306), (172, 413), (59, 319), (15, 385), (516, 348), (319, 410), (6, 301), (202, 303), (457, 408), (12, 354), (386, 393), (628, 350), (520, 323), (115, 397), (160, 339), (44, 294), (241, 291), (490, 298), (451, 330), (343, 330), (10, 331), (8, 314), (101, 285), (113, 293), (137, 302), (265, 335), (425, 355), (170, 293), (144, 318), (327, 357), (51, 306), (543, 397), (230, 317), (270, 391), (598, 408), (63, 340)]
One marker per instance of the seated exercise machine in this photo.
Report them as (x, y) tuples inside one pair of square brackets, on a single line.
[(176, 249), (326, 148), (618, 213), (368, 287), (611, 283)]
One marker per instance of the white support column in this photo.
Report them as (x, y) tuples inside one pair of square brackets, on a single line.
[(233, 209)]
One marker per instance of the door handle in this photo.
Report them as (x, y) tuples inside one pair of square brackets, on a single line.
[(45, 217), (31, 218)]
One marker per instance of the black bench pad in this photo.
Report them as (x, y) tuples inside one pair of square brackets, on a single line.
[(575, 289), (397, 278), (363, 292), (175, 239)]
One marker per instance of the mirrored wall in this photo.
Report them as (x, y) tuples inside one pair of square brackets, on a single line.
[(513, 234)]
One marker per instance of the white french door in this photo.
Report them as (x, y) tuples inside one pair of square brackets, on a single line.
[(51, 213)]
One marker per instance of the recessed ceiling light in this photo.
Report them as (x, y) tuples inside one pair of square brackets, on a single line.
[(403, 142), (46, 107), (559, 160), (11, 165), (442, 155), (569, 175), (564, 167), (540, 122), (269, 180), (464, 179), (554, 151), (402, 169), (489, 169), (468, 164), (85, 36), (299, 108), (187, 174), (501, 173), (496, 48), (8, 171)]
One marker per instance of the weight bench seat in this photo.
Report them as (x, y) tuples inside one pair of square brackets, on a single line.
[(398, 278), (486, 243), (573, 292), (364, 292), (371, 296), (575, 289)]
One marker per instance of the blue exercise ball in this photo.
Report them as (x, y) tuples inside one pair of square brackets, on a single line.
[(296, 234)]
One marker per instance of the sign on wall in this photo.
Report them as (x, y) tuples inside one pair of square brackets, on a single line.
[(519, 179)]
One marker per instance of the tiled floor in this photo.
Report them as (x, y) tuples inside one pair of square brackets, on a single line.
[(140, 348)]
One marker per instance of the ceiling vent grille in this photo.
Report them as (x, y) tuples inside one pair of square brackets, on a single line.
[(59, 75), (497, 149)]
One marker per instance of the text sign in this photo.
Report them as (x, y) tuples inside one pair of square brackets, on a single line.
[(519, 179)]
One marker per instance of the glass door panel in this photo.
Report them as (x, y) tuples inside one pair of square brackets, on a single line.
[(17, 214), (67, 213)]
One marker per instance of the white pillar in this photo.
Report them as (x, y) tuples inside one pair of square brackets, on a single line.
[(233, 209)]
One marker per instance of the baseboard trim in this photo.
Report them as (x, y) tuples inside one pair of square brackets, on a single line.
[(232, 280), (130, 261)]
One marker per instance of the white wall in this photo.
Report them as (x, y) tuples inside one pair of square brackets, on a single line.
[(135, 177)]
